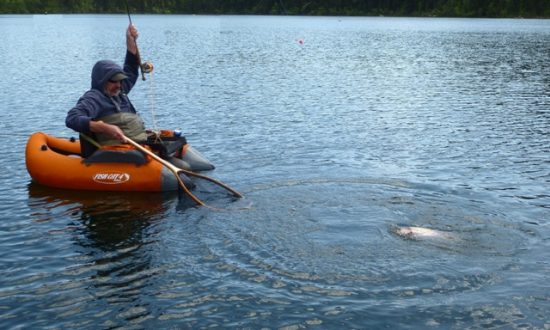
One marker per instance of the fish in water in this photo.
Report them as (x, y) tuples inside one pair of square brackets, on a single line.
[(421, 233)]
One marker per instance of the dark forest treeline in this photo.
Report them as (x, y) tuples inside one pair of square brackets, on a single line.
[(448, 8)]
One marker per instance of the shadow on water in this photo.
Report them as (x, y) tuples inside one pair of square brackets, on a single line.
[(118, 251), (105, 245), (108, 220)]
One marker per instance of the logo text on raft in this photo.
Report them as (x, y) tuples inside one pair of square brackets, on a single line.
[(111, 178)]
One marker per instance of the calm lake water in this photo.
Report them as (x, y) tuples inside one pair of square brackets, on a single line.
[(336, 130)]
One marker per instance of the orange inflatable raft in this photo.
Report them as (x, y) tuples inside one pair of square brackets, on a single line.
[(56, 162)]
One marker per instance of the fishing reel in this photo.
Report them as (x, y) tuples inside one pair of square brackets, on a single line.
[(147, 67)]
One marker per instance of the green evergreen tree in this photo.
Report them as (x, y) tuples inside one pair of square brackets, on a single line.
[(452, 8)]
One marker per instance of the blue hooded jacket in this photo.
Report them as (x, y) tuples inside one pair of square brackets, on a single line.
[(95, 103)]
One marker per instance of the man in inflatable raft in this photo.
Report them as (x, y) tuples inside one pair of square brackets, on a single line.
[(104, 114)]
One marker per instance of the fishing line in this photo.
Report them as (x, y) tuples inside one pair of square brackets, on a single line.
[(16, 134), (151, 95)]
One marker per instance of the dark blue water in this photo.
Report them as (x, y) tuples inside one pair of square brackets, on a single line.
[(336, 130)]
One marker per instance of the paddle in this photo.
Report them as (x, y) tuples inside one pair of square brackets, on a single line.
[(177, 170)]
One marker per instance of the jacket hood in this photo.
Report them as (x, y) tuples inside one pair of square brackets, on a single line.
[(103, 70)]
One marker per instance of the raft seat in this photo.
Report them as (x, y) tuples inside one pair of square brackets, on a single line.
[(122, 154)]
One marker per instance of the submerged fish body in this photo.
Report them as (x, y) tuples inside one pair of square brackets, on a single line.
[(421, 233)]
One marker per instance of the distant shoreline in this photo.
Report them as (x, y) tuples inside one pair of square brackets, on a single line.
[(289, 15), (344, 8)]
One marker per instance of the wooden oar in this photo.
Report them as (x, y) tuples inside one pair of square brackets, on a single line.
[(177, 170)]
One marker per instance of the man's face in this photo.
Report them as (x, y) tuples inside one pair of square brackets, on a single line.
[(112, 88)]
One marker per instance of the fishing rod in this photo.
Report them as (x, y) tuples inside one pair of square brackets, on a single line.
[(146, 67)]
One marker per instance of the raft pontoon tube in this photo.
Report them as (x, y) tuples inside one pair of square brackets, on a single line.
[(56, 162)]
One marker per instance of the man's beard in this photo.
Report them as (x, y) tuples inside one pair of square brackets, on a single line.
[(116, 93)]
